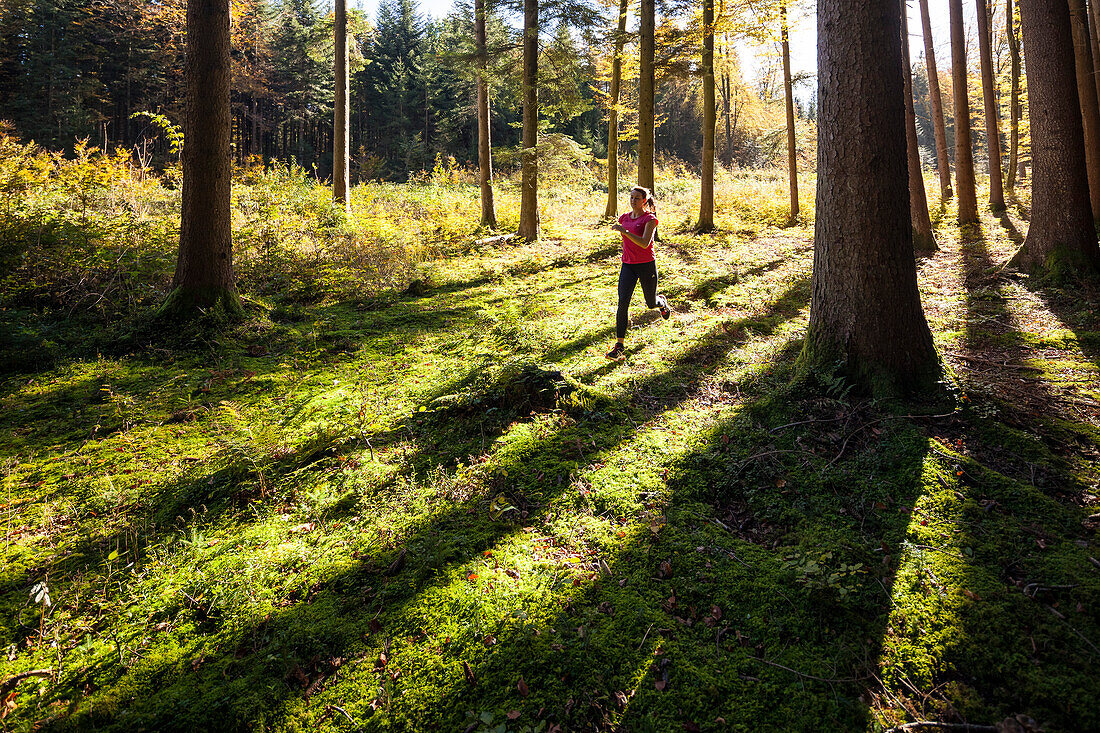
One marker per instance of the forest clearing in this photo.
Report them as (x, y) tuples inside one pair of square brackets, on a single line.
[(430, 503)]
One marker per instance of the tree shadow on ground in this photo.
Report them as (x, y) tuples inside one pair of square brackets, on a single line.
[(241, 672), (995, 545)]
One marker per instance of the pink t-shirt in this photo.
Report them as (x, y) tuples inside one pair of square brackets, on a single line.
[(632, 253)]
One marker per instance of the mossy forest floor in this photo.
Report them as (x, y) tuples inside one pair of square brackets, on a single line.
[(444, 509)]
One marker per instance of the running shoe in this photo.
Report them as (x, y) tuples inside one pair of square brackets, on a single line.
[(618, 351), (662, 305)]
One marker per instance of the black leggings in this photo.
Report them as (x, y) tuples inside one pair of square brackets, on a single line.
[(629, 276)]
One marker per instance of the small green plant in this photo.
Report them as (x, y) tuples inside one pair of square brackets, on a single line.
[(815, 570)]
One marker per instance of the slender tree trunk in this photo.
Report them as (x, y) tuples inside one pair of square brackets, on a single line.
[(943, 161), (923, 239), (341, 173), (647, 22), (964, 154), (484, 144), (1061, 239), (788, 91), (1014, 101), (529, 226), (612, 209), (204, 269), (1094, 41), (706, 194), (989, 97), (1086, 92), (865, 310)]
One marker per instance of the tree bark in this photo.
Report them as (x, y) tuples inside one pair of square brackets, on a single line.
[(923, 239), (964, 155), (340, 140), (646, 82), (989, 98), (529, 226), (788, 91), (943, 161), (1061, 240), (612, 209), (865, 310), (1014, 100), (1086, 91), (484, 144), (204, 268), (706, 194)]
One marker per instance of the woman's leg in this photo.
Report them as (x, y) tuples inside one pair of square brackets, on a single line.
[(647, 276), (627, 280)]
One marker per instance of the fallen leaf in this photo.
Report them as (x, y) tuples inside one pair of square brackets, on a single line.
[(664, 570), (971, 594), (469, 673), (660, 684), (716, 612), (513, 714), (521, 686)]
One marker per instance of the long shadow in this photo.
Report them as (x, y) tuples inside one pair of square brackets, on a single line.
[(770, 651), (341, 611), (979, 571)]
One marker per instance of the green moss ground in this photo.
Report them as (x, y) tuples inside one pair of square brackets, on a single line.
[(447, 511)]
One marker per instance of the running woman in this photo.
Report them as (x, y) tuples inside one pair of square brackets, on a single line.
[(639, 229)]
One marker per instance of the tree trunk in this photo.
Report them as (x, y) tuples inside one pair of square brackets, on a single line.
[(1086, 91), (923, 239), (646, 28), (865, 311), (204, 269), (340, 141), (529, 227), (1094, 39), (964, 155), (484, 144), (943, 162), (992, 133), (612, 209), (1014, 101), (788, 91), (706, 194), (1061, 240)]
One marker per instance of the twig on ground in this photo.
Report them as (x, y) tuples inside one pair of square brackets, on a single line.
[(343, 712), (645, 637), (918, 724), (8, 685), (807, 676)]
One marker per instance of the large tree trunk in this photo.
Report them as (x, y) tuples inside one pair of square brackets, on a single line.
[(992, 133), (484, 145), (964, 155), (340, 141), (788, 91), (612, 209), (943, 161), (1086, 92), (529, 227), (1061, 240), (923, 239), (1014, 99), (647, 22), (706, 194), (865, 311), (204, 269)]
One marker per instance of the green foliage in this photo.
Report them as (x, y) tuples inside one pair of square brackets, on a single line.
[(173, 133)]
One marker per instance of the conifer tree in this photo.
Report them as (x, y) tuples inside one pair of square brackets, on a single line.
[(865, 311)]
